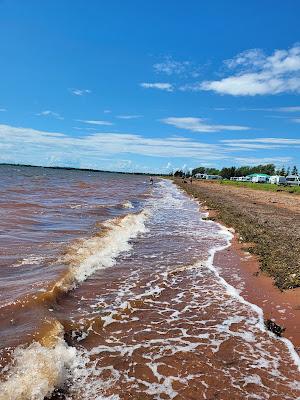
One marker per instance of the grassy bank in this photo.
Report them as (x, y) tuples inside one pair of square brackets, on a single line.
[(263, 186), (273, 233)]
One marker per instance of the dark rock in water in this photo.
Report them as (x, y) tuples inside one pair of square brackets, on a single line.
[(273, 327), (71, 337), (58, 394)]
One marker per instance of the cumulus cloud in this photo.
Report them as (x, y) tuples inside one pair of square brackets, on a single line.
[(49, 113), (80, 92), (158, 85), (259, 74), (94, 122), (200, 125)]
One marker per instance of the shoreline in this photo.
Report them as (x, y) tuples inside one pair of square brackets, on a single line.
[(242, 270)]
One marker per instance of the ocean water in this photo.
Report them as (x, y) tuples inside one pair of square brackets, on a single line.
[(109, 291)]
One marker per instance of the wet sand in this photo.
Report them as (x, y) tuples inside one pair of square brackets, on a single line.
[(237, 265)]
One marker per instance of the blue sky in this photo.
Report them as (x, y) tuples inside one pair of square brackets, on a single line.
[(149, 86)]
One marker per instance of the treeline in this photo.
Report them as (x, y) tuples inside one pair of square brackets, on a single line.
[(229, 172)]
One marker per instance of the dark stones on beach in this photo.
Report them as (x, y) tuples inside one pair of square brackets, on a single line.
[(274, 328)]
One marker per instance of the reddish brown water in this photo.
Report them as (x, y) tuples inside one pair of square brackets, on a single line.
[(109, 291)]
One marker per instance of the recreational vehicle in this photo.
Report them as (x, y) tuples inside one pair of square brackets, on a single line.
[(213, 177), (277, 180), (206, 176), (260, 178), (293, 180)]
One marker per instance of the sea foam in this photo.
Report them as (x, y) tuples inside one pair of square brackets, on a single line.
[(38, 369), (97, 252)]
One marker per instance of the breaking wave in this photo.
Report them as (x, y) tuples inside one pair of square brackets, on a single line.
[(100, 251), (38, 369)]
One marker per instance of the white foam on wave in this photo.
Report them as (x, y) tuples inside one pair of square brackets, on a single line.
[(127, 204), (37, 370), (101, 251), (32, 259)]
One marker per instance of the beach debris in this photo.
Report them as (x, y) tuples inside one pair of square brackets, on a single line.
[(273, 327)]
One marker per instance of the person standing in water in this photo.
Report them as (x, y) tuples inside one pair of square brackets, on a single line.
[(151, 180)]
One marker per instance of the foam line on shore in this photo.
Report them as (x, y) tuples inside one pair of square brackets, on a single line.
[(232, 291)]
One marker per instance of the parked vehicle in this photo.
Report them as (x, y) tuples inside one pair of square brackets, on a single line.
[(277, 180), (206, 176), (213, 177), (260, 179), (293, 180), (200, 176), (245, 179)]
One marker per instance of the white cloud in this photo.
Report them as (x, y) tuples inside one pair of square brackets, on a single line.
[(289, 109), (37, 147), (274, 109), (200, 125), (285, 141), (48, 113), (170, 67), (158, 85), (107, 111), (94, 122), (129, 116), (108, 150), (297, 120), (263, 160), (258, 74), (3, 109), (260, 143), (80, 92)]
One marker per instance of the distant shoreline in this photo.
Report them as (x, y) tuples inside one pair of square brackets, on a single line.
[(80, 169)]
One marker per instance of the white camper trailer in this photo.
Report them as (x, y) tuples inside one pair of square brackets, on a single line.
[(260, 179), (293, 180), (277, 180), (213, 177), (200, 176)]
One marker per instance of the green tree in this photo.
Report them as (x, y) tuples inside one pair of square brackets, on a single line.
[(295, 170), (227, 173), (212, 171), (199, 170), (178, 173), (282, 172)]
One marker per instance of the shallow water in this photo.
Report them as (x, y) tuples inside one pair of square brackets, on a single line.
[(110, 292)]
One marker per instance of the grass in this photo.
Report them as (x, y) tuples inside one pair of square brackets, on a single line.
[(263, 186)]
